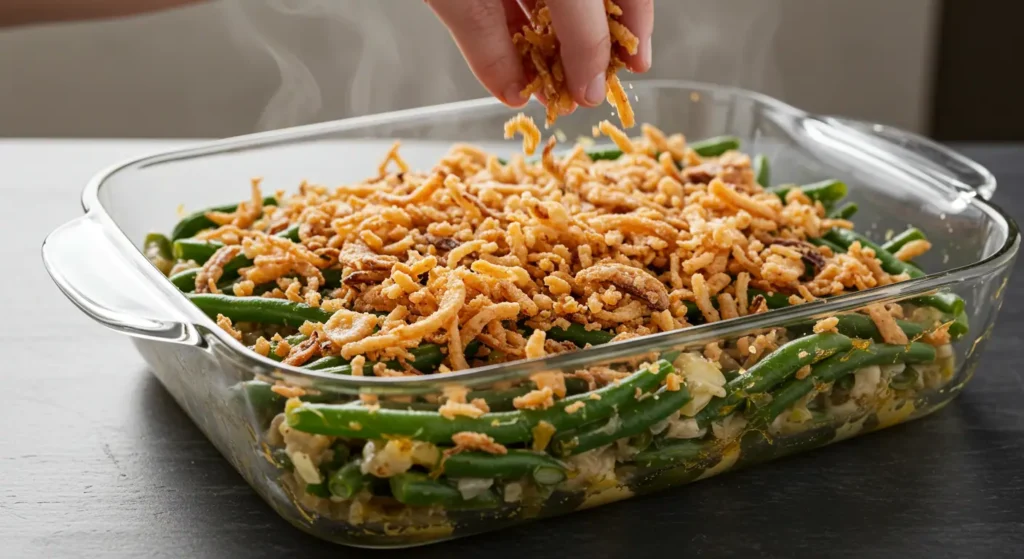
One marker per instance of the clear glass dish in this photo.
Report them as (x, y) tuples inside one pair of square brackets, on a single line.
[(897, 179)]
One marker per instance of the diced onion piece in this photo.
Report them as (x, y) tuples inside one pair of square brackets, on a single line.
[(305, 468), (472, 488), (703, 379)]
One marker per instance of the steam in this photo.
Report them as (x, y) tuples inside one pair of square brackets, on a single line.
[(394, 54), (297, 99), (320, 41), (729, 42), (377, 56)]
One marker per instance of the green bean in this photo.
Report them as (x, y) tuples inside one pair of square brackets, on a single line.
[(426, 358), (356, 420), (959, 328), (861, 326), (257, 290), (326, 362), (713, 147), (409, 406), (200, 251), (502, 400), (233, 265), (731, 374), (891, 264), (347, 481), (332, 278), (846, 211), (517, 464), (291, 233), (675, 453), (415, 489), (186, 281), (264, 401), (293, 340), (836, 249), (837, 366), (670, 355), (258, 309), (156, 244), (196, 222), (596, 154), (773, 369), (948, 303), (897, 242), (258, 397), (605, 155), (579, 335), (826, 192), (318, 489), (195, 250), (346, 369), (157, 249), (632, 421), (710, 147), (775, 300), (762, 170)]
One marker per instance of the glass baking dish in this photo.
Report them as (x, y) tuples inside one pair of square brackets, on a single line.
[(896, 178)]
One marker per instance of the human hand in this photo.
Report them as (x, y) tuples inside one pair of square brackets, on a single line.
[(483, 31)]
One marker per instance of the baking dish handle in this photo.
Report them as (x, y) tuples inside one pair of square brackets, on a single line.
[(87, 266), (935, 160)]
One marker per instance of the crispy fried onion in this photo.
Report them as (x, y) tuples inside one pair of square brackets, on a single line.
[(524, 125), (213, 269), (304, 351), (358, 256), (408, 335), (538, 47), (497, 311), (468, 440), (346, 326), (887, 325), (634, 281), (473, 248)]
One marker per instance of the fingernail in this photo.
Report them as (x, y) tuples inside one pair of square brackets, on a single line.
[(646, 53), (514, 95), (594, 94)]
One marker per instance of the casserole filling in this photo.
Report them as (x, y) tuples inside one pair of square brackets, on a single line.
[(480, 261)]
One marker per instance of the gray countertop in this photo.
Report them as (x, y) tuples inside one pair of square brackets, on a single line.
[(98, 460)]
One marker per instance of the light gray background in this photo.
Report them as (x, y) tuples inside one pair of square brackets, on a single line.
[(237, 66)]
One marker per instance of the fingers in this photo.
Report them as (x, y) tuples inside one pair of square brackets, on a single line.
[(481, 31), (515, 14), (582, 28), (544, 101), (638, 17)]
